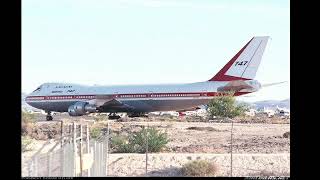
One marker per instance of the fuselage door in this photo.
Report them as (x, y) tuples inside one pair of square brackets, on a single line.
[(151, 96)]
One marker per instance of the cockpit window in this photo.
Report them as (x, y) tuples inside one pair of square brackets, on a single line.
[(38, 89)]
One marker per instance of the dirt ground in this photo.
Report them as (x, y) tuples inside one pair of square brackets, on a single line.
[(215, 137), (257, 148), (169, 164)]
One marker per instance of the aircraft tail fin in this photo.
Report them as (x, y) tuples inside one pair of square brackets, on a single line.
[(244, 65)]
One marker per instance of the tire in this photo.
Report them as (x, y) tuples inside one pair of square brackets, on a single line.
[(49, 118)]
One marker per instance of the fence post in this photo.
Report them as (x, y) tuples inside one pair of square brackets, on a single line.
[(88, 142), (103, 160), (107, 153), (62, 133), (95, 159), (62, 161), (88, 145), (98, 159), (81, 162), (147, 148), (70, 131), (75, 148), (35, 166), (49, 164), (30, 165), (231, 149)]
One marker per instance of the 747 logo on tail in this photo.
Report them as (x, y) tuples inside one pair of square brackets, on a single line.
[(241, 63)]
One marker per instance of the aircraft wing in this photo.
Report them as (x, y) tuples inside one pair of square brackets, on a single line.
[(107, 103)]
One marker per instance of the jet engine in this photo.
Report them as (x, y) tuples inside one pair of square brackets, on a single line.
[(81, 108)]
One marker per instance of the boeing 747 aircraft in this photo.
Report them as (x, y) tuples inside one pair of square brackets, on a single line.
[(237, 75)]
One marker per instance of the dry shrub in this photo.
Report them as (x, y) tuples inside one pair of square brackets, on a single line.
[(202, 128), (100, 118), (26, 143), (286, 135), (266, 173), (27, 128), (96, 130), (199, 168), (27, 123), (45, 131)]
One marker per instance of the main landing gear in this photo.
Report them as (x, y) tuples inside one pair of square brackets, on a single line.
[(49, 117), (113, 116), (137, 114)]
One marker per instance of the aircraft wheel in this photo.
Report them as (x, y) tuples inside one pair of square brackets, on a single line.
[(49, 118)]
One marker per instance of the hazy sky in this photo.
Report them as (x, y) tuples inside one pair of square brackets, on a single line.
[(150, 41)]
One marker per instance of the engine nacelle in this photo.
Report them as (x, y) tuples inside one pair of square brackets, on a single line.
[(81, 108)]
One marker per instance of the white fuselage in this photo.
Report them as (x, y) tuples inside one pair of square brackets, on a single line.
[(143, 98), (237, 76)]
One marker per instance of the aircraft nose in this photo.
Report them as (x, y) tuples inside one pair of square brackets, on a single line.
[(26, 99)]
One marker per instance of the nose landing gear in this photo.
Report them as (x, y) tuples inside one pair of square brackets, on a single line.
[(49, 116), (113, 116)]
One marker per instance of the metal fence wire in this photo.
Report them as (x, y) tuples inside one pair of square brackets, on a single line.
[(63, 162), (77, 156), (80, 156)]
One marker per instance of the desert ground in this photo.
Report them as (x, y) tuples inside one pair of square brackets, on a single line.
[(257, 148)]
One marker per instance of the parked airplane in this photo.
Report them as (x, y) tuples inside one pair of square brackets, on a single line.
[(237, 75)]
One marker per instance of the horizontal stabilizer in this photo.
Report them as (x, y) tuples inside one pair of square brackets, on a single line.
[(272, 84)]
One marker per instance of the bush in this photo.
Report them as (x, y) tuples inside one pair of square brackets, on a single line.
[(265, 173), (27, 123), (27, 117), (26, 143), (95, 132), (286, 135), (46, 131), (199, 168), (156, 140), (137, 141), (100, 118), (224, 105), (122, 145)]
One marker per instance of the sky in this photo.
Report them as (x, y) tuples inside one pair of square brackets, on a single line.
[(112, 42)]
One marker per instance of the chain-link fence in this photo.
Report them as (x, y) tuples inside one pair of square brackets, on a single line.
[(65, 162), (78, 157)]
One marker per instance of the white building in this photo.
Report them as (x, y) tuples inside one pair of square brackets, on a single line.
[(283, 112), (269, 112), (251, 112), (171, 113)]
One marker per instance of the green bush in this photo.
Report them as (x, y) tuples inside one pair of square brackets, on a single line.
[(156, 140), (95, 131), (224, 105), (121, 144), (26, 142), (199, 168), (137, 141)]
